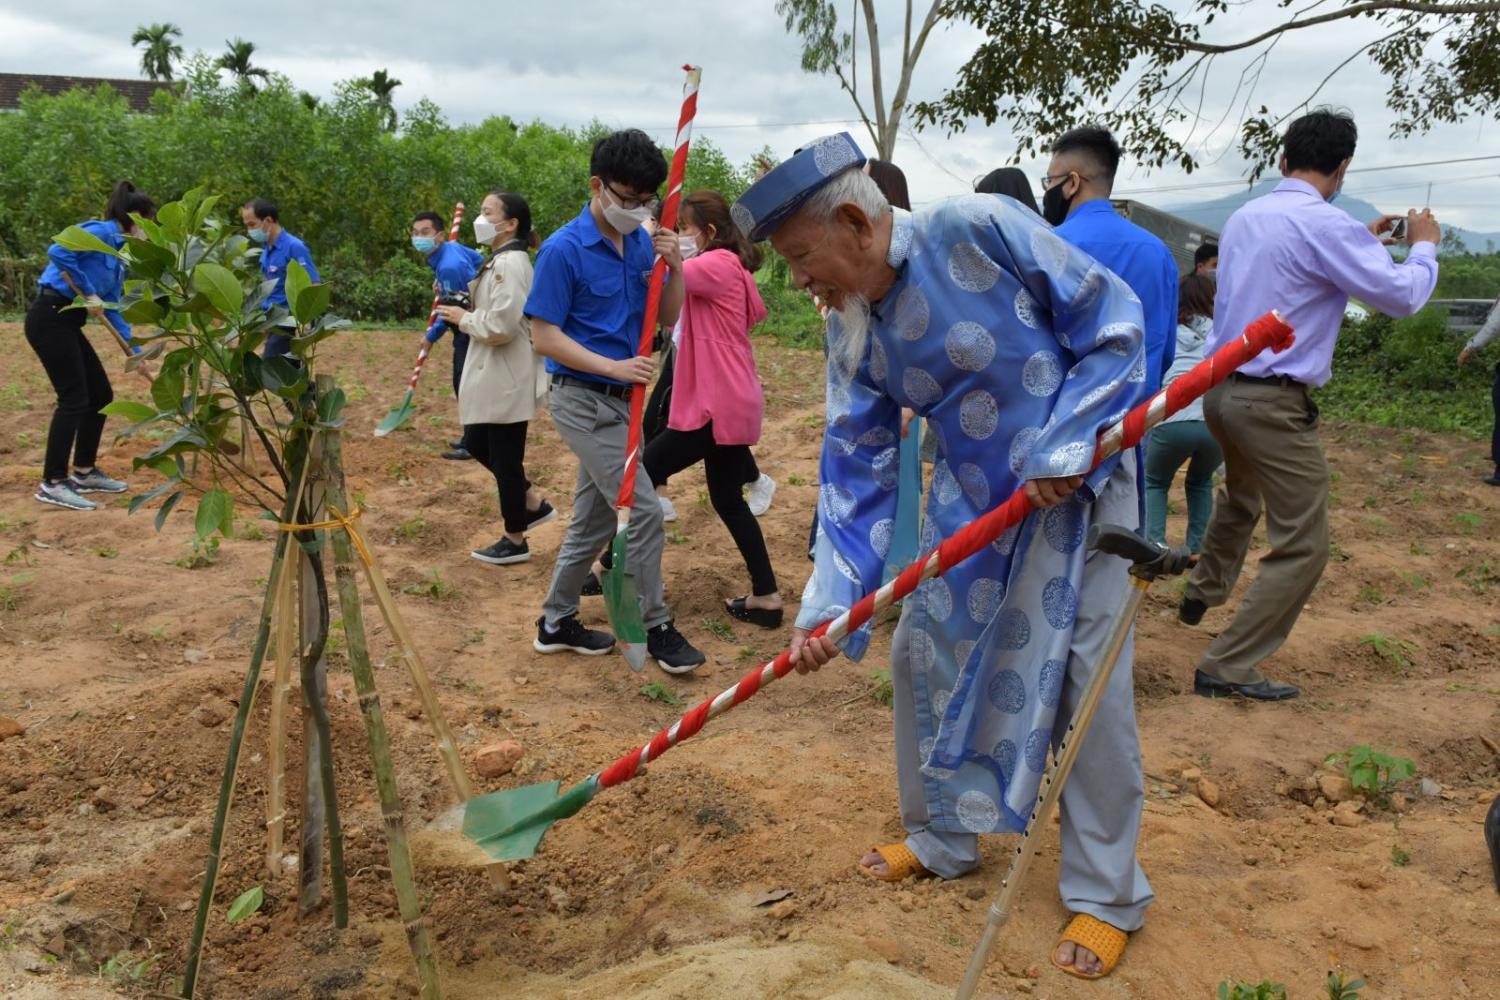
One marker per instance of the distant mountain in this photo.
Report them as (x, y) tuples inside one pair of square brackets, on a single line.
[(1216, 212)]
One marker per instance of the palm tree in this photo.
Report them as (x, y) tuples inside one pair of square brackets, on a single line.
[(381, 84), (161, 51), (236, 59)]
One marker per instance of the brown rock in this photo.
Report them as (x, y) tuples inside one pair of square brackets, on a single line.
[(906, 901), (1399, 802), (1335, 788), (887, 948), (1208, 792), (1347, 814), (105, 799), (1190, 774), (10, 727), (498, 758), (212, 712), (976, 892), (783, 910)]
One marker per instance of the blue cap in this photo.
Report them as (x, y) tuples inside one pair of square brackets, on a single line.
[(776, 197)]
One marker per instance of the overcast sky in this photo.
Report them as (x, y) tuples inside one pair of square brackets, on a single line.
[(567, 61)]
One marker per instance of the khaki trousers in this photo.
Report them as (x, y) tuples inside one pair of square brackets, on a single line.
[(1273, 461)]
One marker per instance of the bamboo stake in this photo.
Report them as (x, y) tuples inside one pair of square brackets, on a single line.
[(422, 681), (281, 687), (402, 874), (232, 761)]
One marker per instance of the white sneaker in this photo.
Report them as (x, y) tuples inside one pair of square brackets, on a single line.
[(760, 493), (62, 494), (668, 512)]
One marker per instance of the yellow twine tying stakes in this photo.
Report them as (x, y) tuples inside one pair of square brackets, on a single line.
[(339, 520)]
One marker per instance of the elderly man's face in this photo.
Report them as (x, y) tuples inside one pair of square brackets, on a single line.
[(825, 257)]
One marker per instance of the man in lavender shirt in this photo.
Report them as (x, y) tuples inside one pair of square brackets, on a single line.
[(1292, 251)]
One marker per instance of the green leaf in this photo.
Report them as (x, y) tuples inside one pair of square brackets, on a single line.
[(215, 511), (331, 407), (297, 282), (310, 303), (166, 388), (142, 312), (245, 904), (137, 502), (166, 508), (129, 409), (78, 238), (220, 286)]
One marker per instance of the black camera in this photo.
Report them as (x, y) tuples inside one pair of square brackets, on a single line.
[(461, 299)]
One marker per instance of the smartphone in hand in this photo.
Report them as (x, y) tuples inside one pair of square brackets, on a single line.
[(1398, 231)]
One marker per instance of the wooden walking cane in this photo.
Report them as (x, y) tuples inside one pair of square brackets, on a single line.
[(1149, 562)]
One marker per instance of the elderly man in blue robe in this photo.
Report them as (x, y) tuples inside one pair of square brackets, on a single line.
[(1018, 349)]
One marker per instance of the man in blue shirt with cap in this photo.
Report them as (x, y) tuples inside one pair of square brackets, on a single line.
[(278, 249), (454, 267), (1018, 349), (1076, 201), (587, 307)]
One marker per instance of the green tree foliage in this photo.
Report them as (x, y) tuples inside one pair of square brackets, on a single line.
[(381, 86), (236, 59), (1141, 68), (160, 52), (343, 182), (1469, 276)]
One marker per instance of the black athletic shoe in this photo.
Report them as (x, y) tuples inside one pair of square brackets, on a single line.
[(1492, 480), (458, 453), (591, 587), (571, 637), (544, 513), (671, 651), (1190, 611), (503, 553)]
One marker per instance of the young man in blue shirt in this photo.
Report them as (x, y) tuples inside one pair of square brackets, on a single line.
[(278, 249), (1076, 201), (587, 305), (454, 267)]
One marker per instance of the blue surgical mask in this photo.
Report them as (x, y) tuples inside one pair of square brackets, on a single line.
[(257, 235), (423, 244)]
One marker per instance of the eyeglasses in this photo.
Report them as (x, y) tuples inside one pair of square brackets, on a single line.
[(651, 201), (1047, 179)]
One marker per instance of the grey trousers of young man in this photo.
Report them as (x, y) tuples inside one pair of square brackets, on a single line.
[(1273, 458), (595, 426), (1103, 797)]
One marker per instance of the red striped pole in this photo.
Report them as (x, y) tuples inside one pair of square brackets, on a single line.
[(416, 371)]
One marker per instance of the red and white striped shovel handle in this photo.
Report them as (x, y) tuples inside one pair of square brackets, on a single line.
[(1268, 331), (416, 370)]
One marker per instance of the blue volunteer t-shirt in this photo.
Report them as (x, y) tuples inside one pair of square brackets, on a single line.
[(455, 265), (274, 260), (594, 295)]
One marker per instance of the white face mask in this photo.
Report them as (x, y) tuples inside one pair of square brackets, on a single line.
[(623, 220), (688, 245), (484, 230)]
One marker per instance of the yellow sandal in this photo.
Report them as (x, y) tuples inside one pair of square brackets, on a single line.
[(1104, 940), (903, 864)]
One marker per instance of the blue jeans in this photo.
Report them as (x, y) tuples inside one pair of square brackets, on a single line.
[(1169, 446)]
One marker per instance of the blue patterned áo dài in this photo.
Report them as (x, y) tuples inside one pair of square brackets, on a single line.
[(1018, 349)]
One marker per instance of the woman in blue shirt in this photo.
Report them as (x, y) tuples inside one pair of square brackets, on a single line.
[(56, 335)]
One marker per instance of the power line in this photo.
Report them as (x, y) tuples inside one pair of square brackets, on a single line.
[(697, 127), (1244, 183)]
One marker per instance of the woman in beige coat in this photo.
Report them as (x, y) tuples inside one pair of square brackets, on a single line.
[(503, 382)]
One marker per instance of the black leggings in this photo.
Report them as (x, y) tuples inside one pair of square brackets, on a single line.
[(501, 448), (1495, 434), (728, 468), (78, 378)]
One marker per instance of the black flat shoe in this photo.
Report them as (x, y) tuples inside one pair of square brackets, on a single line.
[(764, 617), (1492, 837), (1190, 611), (591, 587), (1267, 690)]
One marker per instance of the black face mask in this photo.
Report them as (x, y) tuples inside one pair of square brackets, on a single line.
[(1055, 204)]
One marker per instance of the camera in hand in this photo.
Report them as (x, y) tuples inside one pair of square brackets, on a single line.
[(460, 299)]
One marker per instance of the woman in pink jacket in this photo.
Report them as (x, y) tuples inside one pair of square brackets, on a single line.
[(717, 402)]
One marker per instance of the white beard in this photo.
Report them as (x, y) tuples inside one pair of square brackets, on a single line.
[(848, 350)]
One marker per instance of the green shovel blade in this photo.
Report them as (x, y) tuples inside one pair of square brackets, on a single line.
[(396, 417), (624, 606), (510, 825)]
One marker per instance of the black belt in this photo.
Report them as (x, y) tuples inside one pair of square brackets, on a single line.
[(1281, 380), (603, 388), (51, 294)]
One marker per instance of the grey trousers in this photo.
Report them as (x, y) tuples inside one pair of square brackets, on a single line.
[(594, 426), (1103, 797), (1273, 460)]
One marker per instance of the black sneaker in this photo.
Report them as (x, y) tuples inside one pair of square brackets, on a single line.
[(591, 587), (503, 553), (1190, 611), (1493, 480), (571, 637), (671, 651), (544, 513), (457, 453)]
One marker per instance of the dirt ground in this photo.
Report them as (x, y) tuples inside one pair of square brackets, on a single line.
[(123, 666)]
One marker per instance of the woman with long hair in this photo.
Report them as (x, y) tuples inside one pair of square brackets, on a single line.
[(717, 403), (55, 333), (1184, 436), (501, 384)]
